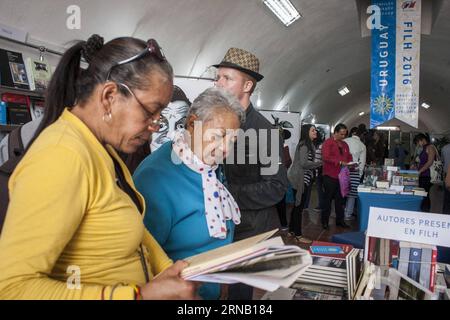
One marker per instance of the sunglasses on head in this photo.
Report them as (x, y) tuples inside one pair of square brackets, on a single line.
[(152, 49)]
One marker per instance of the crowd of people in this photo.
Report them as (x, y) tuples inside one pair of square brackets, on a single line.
[(75, 205), (320, 162)]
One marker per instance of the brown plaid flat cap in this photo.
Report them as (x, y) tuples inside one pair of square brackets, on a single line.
[(243, 61)]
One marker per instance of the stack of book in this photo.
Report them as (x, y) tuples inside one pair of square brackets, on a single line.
[(17, 108), (419, 192), (410, 179), (334, 265), (263, 263), (305, 291), (363, 188), (383, 252)]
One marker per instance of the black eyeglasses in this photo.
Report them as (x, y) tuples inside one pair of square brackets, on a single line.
[(152, 49), (158, 124)]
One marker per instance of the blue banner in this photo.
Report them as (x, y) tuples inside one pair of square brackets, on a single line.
[(382, 97)]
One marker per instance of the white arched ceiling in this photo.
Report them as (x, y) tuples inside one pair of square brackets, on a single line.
[(303, 65)]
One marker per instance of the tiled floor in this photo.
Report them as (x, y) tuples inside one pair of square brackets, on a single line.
[(312, 227)]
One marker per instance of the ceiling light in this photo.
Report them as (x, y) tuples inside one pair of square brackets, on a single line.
[(343, 91), (425, 105), (284, 10), (362, 113), (313, 121), (389, 128), (259, 103)]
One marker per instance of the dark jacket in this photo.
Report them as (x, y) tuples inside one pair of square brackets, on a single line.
[(251, 190)]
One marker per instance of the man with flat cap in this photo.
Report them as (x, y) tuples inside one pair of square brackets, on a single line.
[(255, 191)]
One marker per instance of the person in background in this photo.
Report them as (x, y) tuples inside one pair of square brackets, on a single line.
[(376, 149), (399, 154), (318, 173), (190, 210), (363, 129), (300, 176), (73, 207), (281, 206), (358, 151), (256, 193), (335, 155), (426, 159), (447, 185), (446, 162)]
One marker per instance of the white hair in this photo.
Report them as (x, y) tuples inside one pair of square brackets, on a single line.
[(214, 100)]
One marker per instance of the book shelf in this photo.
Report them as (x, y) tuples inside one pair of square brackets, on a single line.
[(36, 94), (7, 128)]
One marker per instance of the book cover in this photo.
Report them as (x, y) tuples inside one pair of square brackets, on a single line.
[(17, 108), (403, 262), (326, 250), (36, 108), (12, 70), (318, 288), (425, 267), (40, 74), (330, 250), (393, 256), (3, 113), (328, 263), (433, 269), (312, 295), (415, 255)]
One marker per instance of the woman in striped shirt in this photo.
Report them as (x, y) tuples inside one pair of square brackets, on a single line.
[(300, 176)]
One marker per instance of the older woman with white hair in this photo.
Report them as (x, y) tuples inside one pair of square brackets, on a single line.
[(190, 211)]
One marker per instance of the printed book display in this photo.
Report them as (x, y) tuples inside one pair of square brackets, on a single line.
[(12, 70), (39, 74), (390, 285), (260, 262), (335, 265), (17, 108)]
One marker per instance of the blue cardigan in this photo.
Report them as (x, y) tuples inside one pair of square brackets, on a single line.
[(175, 209)]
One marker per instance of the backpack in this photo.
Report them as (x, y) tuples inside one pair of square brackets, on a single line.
[(15, 151)]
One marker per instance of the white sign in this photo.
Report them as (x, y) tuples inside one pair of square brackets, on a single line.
[(418, 227), (408, 61)]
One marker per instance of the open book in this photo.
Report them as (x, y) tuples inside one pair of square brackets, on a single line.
[(257, 261)]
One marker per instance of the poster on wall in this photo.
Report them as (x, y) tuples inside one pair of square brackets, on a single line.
[(395, 62), (289, 121), (185, 92)]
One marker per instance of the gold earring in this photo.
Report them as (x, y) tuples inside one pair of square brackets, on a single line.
[(107, 117)]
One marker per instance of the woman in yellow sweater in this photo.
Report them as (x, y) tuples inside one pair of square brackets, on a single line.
[(74, 227)]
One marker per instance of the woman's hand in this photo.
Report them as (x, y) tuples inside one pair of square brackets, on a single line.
[(169, 285)]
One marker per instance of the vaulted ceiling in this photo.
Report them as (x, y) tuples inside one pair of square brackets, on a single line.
[(304, 65)]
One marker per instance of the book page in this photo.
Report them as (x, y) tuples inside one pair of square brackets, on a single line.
[(226, 253)]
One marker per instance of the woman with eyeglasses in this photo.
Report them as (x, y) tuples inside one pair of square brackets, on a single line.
[(190, 210), (301, 175), (74, 227)]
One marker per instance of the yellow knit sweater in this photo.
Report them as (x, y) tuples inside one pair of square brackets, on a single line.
[(68, 222)]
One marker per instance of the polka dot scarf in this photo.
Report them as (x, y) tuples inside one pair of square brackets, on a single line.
[(220, 205)]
